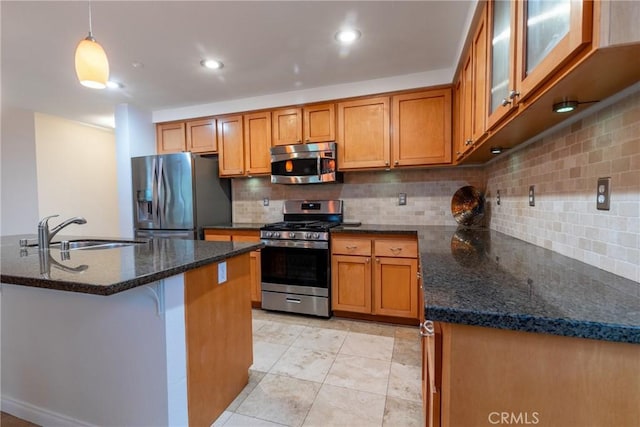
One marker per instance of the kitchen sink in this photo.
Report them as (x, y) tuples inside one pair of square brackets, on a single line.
[(96, 244)]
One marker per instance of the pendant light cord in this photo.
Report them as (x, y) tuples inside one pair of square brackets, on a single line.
[(90, 29)]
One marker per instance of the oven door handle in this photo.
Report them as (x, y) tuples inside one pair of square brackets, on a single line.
[(303, 244), (294, 300)]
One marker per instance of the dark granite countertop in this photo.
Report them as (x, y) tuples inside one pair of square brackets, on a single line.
[(108, 271), (486, 278), (235, 226)]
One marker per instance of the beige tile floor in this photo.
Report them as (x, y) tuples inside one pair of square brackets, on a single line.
[(336, 372)]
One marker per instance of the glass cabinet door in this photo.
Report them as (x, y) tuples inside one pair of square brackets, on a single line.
[(550, 33), (502, 59)]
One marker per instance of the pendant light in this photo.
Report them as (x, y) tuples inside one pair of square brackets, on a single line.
[(92, 66)]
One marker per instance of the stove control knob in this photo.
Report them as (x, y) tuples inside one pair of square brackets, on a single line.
[(316, 235), (292, 234), (276, 234), (268, 234), (307, 235)]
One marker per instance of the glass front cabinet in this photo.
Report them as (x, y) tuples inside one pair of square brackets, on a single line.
[(528, 42)]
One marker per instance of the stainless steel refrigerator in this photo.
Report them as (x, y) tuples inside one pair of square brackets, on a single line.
[(175, 195)]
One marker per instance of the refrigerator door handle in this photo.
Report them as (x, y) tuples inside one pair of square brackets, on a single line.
[(155, 203), (161, 192)]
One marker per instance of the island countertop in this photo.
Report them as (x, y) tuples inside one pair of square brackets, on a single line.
[(485, 278), (109, 271)]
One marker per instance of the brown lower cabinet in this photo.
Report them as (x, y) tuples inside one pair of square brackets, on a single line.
[(375, 276), (479, 376), (218, 337), (225, 235)]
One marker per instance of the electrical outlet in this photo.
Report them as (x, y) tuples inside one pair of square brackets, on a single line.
[(402, 199), (532, 195), (498, 197), (265, 201), (603, 194)]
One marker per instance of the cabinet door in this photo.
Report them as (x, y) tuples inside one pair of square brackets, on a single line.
[(351, 283), (458, 117), (363, 134), (257, 142), (549, 34), (395, 287), (287, 126), (466, 109), (422, 128), (319, 123), (479, 54), (231, 145), (256, 277), (170, 137), (432, 376), (201, 136), (501, 60)]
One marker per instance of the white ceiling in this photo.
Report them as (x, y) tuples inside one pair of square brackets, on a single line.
[(267, 47)]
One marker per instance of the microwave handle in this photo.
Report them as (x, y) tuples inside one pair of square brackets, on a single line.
[(318, 167)]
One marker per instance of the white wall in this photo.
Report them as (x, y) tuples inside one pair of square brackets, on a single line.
[(135, 136), (19, 191), (76, 168)]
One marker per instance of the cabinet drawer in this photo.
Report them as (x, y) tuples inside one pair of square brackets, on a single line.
[(351, 246), (396, 248)]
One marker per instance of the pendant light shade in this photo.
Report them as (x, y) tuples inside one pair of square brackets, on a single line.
[(92, 65)]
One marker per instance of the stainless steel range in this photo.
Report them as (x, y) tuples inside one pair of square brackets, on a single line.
[(296, 267)]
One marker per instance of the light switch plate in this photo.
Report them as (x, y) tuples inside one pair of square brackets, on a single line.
[(603, 194), (498, 197), (532, 195), (222, 272), (402, 199), (265, 201)]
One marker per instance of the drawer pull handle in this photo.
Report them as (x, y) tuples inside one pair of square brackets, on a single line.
[(395, 251), (352, 247), (294, 300), (427, 329)]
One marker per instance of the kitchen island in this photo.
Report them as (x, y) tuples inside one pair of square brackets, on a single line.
[(157, 333), (519, 334)]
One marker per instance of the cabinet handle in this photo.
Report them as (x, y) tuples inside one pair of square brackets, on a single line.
[(427, 329), (468, 142), (307, 140), (368, 260), (513, 94), (350, 247), (378, 260), (298, 141), (505, 102), (386, 163), (396, 162), (395, 251)]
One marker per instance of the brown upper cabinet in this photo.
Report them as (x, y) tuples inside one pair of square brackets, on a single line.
[(319, 123), (422, 128), (257, 141), (196, 136), (313, 123), (287, 126), (244, 144), (363, 134), (230, 134), (472, 88), (529, 42)]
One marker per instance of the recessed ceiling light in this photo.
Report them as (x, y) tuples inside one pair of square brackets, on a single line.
[(211, 63), (114, 85), (347, 36)]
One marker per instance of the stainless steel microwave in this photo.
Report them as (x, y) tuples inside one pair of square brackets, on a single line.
[(304, 164)]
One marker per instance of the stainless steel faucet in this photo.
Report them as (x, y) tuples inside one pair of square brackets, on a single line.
[(45, 235)]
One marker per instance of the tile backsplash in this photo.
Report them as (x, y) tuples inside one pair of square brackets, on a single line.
[(563, 167), (369, 197)]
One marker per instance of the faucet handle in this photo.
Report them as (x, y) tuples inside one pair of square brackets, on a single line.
[(43, 221)]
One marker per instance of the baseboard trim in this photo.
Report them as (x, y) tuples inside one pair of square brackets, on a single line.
[(38, 415)]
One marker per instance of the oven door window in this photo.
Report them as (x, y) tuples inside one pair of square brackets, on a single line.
[(295, 266)]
